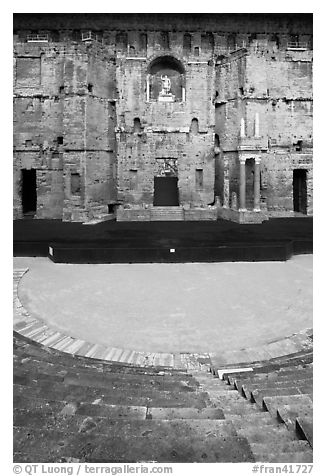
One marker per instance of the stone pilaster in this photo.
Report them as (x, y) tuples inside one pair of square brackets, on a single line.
[(242, 185), (257, 185)]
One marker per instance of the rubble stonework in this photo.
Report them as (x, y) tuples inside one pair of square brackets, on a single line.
[(106, 104)]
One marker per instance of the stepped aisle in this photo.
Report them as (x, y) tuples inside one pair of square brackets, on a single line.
[(69, 408), (281, 386)]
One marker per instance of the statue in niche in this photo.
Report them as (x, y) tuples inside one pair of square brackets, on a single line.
[(166, 85)]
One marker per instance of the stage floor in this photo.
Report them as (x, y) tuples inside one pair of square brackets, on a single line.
[(162, 234), (191, 307)]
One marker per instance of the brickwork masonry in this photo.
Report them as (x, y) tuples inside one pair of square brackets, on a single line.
[(93, 122)]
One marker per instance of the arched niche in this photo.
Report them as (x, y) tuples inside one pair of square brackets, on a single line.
[(166, 80), (194, 126)]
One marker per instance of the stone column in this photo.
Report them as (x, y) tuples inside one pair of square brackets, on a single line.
[(257, 185), (256, 125), (242, 187), (226, 184), (242, 128)]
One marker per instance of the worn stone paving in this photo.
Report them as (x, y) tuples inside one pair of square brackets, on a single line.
[(41, 332), (171, 308)]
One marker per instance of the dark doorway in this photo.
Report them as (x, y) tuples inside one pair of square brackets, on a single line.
[(29, 191), (166, 192), (300, 191)]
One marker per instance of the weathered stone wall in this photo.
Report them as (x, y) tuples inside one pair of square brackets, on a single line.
[(166, 130), (141, 153), (277, 86), (64, 123), (87, 121)]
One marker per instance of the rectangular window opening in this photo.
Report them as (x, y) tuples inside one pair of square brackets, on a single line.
[(75, 183), (199, 179), (133, 179)]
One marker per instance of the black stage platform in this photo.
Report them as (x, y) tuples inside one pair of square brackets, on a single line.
[(145, 242)]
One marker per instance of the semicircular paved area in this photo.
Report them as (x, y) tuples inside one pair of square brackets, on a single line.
[(192, 307)]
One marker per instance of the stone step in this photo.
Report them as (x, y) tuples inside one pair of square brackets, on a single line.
[(237, 408), (21, 402), (123, 381), (65, 362), (101, 218), (133, 385), (271, 366), (224, 391), (257, 396), (300, 457), (266, 434), (20, 457), (178, 444), (170, 209), (164, 383), (114, 396), (46, 417), (185, 413), (119, 427), (301, 355), (124, 412), (256, 374), (167, 217), (304, 426), (272, 403), (107, 374), (269, 355), (289, 413), (260, 418), (221, 401), (99, 377), (248, 389), (272, 377), (293, 446), (27, 378), (166, 213)]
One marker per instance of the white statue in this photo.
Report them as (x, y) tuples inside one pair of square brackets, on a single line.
[(166, 84)]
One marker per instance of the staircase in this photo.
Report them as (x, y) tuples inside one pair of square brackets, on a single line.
[(282, 387), (269, 439), (77, 409), (166, 214)]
